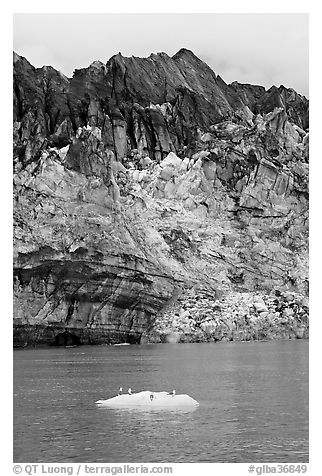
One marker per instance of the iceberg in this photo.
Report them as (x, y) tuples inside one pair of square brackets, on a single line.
[(144, 399)]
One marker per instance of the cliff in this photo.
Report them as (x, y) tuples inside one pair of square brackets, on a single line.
[(149, 196)]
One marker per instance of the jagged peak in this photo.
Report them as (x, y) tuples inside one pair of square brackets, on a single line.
[(159, 54), (185, 52), (187, 56), (117, 60), (273, 89), (45, 68), (97, 64), (49, 69), (280, 89), (289, 90), (182, 54), (118, 56), (18, 58), (237, 84)]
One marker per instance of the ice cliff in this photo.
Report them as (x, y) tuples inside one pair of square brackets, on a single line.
[(153, 200)]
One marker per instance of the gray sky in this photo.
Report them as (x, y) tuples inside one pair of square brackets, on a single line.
[(259, 48)]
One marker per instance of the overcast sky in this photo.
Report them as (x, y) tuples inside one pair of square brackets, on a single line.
[(260, 48)]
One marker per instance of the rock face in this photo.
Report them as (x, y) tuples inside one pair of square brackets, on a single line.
[(198, 317), (77, 265), (145, 183)]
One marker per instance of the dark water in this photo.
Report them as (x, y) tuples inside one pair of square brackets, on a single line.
[(253, 403)]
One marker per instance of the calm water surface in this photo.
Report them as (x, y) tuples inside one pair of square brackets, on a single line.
[(253, 403)]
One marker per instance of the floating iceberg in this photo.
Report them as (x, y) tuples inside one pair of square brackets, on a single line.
[(144, 399)]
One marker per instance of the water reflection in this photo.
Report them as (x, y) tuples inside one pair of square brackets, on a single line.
[(149, 410)]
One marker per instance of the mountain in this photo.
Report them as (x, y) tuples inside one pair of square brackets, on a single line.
[(151, 198)]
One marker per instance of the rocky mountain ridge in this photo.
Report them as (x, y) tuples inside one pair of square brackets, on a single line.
[(145, 181)]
